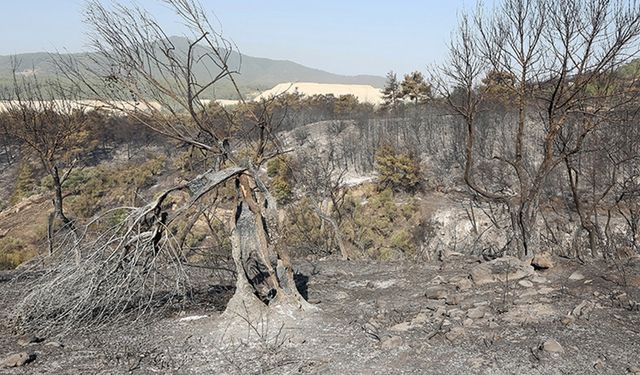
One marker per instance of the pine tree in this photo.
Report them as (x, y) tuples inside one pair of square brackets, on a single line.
[(391, 92), (415, 88)]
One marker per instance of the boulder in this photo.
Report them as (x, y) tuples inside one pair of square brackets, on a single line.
[(542, 261), (501, 270)]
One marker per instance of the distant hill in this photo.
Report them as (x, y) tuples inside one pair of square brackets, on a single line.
[(256, 73)]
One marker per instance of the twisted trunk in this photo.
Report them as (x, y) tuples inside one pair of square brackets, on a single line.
[(264, 272)]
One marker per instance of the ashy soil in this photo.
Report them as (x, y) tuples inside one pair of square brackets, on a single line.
[(379, 318)]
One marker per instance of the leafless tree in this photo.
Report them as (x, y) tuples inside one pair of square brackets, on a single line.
[(45, 118), (138, 70), (561, 56), (321, 178)]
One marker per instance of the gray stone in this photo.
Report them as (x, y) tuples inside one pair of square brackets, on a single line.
[(501, 270), (539, 279), (436, 292), (583, 308), (576, 276), (433, 304), (461, 283), (552, 346), (401, 327), (17, 360), (635, 370), (454, 333), (391, 342), (452, 299), (477, 312), (420, 319), (525, 283)]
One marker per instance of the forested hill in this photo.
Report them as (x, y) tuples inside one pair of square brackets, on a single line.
[(256, 73)]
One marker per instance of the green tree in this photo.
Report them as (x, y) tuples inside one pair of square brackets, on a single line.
[(399, 171), (392, 92), (346, 105), (416, 88)]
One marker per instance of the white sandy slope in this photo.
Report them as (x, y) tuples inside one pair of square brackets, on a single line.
[(364, 93)]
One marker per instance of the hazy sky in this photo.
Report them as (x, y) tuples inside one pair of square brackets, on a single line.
[(340, 36)]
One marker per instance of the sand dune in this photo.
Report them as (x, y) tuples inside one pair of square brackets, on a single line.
[(364, 93)]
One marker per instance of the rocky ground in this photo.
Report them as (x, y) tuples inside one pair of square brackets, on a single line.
[(459, 316)]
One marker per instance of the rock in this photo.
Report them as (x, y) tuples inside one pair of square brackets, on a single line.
[(391, 342), (441, 311), (456, 314), (452, 299), (545, 291), (461, 283), (539, 279), (55, 344), (599, 364), (525, 283), (542, 261), (454, 333), (501, 270), (436, 292), (582, 309), (420, 319), (341, 295), (477, 312), (528, 293), (27, 340), (433, 305), (401, 327), (467, 322), (17, 360), (635, 370), (552, 346), (475, 363), (438, 280), (530, 313), (576, 276)]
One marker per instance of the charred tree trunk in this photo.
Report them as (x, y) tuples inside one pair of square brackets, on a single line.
[(58, 197), (264, 272)]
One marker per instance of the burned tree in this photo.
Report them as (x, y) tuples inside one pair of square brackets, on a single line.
[(160, 81), (46, 119), (559, 57)]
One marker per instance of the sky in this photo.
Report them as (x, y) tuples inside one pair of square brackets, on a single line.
[(339, 36)]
